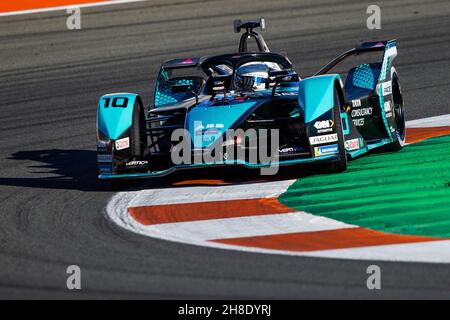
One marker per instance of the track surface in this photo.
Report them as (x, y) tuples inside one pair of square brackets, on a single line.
[(52, 206)]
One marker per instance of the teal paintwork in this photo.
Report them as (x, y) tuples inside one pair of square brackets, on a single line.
[(316, 95), (344, 117), (208, 121), (113, 121)]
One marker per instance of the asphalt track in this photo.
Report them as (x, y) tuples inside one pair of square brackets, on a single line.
[(52, 206)]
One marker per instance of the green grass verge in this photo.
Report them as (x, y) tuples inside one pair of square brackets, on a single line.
[(405, 192)]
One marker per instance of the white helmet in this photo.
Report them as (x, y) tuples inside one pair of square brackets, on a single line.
[(252, 76)]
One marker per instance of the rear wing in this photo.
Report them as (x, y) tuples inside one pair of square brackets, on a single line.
[(389, 47), (181, 63)]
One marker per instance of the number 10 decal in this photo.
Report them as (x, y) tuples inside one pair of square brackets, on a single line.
[(118, 102)]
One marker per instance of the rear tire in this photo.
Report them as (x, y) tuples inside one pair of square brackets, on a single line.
[(340, 165), (398, 112)]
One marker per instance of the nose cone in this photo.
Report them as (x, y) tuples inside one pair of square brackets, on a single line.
[(208, 121)]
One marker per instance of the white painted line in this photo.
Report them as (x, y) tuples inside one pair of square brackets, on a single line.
[(209, 193), (439, 121), (427, 252), (60, 8), (207, 230)]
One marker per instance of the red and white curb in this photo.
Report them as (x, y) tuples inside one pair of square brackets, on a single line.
[(248, 217), (14, 8)]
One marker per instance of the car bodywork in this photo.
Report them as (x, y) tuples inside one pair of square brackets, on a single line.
[(198, 96)]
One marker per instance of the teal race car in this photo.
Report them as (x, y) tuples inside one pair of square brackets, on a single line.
[(251, 108)]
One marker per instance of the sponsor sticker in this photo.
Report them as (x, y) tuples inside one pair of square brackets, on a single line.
[(362, 112), (123, 143), (324, 126), (323, 139), (104, 158), (386, 87), (358, 122), (105, 169), (102, 144), (387, 106), (391, 52), (326, 150), (356, 103), (290, 150), (136, 163), (352, 144)]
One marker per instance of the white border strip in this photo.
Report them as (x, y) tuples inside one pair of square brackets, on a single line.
[(241, 227), (426, 252), (188, 194), (83, 5), (439, 121)]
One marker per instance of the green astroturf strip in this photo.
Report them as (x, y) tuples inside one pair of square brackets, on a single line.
[(405, 192)]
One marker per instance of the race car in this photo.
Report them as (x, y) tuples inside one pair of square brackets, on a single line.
[(207, 110)]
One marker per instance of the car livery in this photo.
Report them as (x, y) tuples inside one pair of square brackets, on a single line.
[(320, 119)]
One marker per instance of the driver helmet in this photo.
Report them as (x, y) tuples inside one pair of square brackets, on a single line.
[(252, 76)]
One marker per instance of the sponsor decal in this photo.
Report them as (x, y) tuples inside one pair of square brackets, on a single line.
[(323, 139), (356, 103), (362, 112), (123, 143), (104, 158), (210, 128), (324, 126), (214, 125), (326, 150), (352, 144), (136, 163), (290, 150), (358, 122), (386, 87), (387, 106), (211, 131), (391, 52), (102, 144), (105, 169), (389, 114)]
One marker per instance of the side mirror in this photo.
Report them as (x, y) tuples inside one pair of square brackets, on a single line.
[(277, 77)]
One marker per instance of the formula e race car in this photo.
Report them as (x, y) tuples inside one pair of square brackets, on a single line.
[(251, 108)]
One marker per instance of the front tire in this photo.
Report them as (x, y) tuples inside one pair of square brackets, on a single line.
[(138, 131), (340, 165), (398, 112)]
